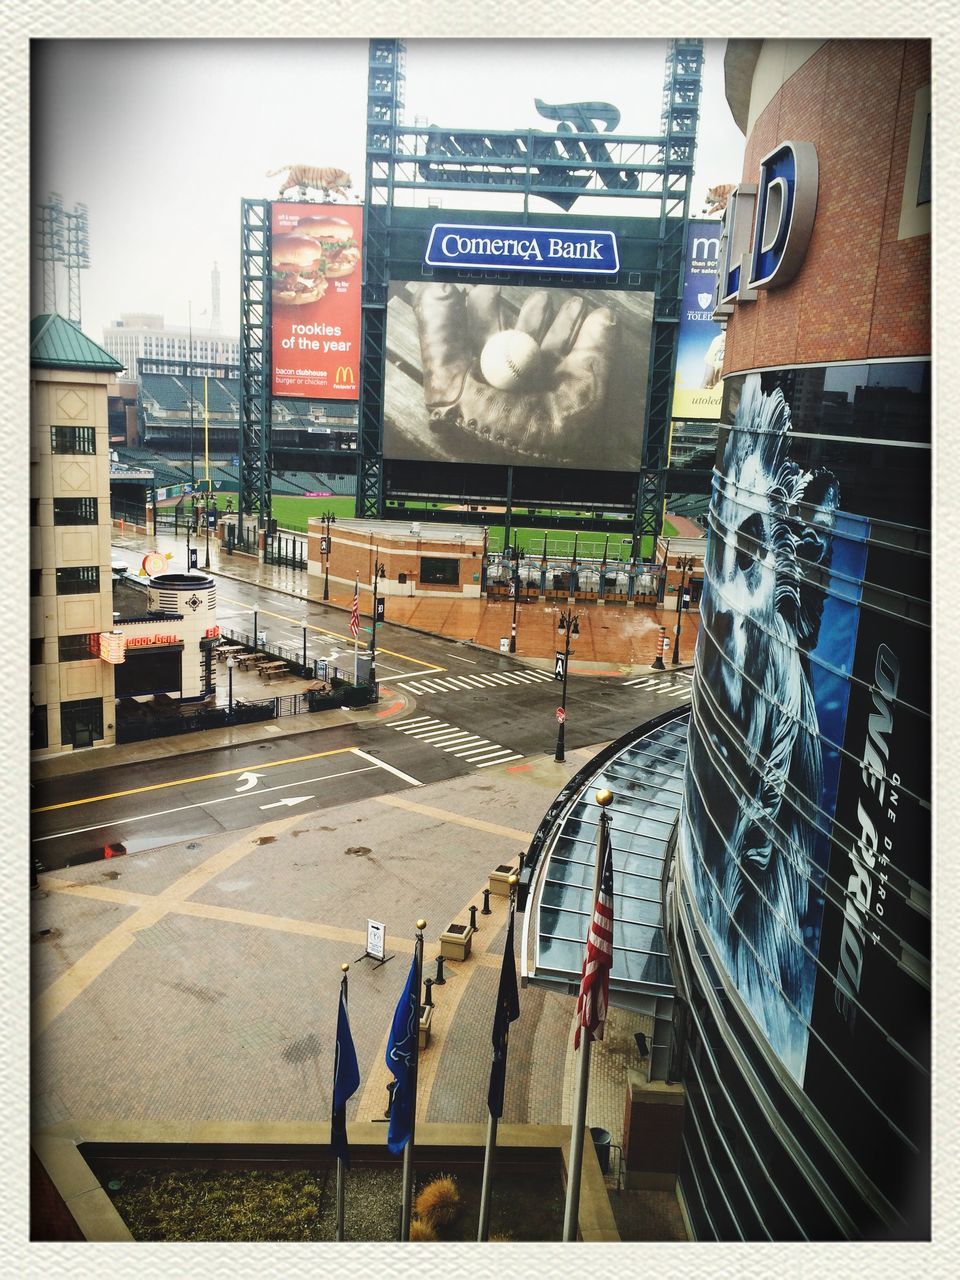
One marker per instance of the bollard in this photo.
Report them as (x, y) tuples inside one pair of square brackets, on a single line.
[(473, 918), (391, 1089), (485, 909), (439, 980), (657, 664), (428, 993)]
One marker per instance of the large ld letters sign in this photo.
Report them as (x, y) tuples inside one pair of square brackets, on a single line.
[(780, 209)]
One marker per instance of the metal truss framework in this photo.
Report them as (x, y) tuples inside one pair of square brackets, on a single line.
[(255, 391), (385, 78), (561, 166)]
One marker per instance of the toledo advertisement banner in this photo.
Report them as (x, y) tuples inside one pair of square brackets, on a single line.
[(516, 375), (698, 389), (315, 300)]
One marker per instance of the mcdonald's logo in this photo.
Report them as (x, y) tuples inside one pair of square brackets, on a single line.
[(345, 376)]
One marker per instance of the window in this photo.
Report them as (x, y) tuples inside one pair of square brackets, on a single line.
[(77, 582), (36, 651), (74, 511), (38, 728), (73, 440), (435, 569), (34, 512), (79, 648), (81, 722)]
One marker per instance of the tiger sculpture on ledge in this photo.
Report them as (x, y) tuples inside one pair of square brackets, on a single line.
[(325, 179)]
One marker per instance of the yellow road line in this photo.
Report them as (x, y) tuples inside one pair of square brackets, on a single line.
[(337, 635), (445, 815), (201, 777)]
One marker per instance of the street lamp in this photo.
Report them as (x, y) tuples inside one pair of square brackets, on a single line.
[(685, 565), (516, 596), (379, 571), (230, 666), (328, 518), (304, 623), (568, 625)]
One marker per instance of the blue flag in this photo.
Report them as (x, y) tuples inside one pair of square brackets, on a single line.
[(401, 1060), (346, 1080)]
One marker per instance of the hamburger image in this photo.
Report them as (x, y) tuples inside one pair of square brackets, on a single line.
[(297, 270), (335, 238)]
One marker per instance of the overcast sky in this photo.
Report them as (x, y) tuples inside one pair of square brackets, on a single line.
[(163, 138)]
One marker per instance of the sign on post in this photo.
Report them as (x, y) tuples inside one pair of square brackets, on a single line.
[(380, 608), (561, 715), (560, 665), (376, 939)]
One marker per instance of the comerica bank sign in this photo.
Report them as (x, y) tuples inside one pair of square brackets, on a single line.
[(523, 249)]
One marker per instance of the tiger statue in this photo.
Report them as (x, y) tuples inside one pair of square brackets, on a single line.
[(717, 197), (322, 179)]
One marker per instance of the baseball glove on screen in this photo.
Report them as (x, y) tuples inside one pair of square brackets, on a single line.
[(534, 386)]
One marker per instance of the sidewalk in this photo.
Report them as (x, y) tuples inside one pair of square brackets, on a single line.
[(614, 639)]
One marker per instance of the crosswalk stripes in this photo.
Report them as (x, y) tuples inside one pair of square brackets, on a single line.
[(475, 750), (485, 680), (668, 685)]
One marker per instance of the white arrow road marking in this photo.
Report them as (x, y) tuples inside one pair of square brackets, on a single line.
[(205, 804), (278, 804), (248, 780)]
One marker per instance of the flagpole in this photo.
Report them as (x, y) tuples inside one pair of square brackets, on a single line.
[(407, 1202), (493, 1120), (340, 1169), (571, 1211), (356, 651)]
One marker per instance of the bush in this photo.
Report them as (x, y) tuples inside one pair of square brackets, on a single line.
[(420, 1230), (439, 1202)]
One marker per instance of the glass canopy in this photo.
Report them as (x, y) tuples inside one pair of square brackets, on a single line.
[(645, 774)]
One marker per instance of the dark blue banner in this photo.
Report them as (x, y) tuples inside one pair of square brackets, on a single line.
[(523, 249)]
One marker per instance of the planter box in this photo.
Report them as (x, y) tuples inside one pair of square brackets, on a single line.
[(455, 941), (426, 1018), (499, 879)]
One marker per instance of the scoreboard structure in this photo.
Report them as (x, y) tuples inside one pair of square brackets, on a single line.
[(582, 424)]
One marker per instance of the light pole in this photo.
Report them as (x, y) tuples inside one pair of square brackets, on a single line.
[(568, 625), (685, 565), (193, 475), (379, 571), (230, 665), (304, 623), (206, 521), (328, 519), (516, 596)]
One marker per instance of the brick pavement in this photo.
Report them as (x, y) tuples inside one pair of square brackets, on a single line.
[(201, 983), (612, 637)]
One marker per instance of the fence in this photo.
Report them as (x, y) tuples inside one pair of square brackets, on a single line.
[(279, 550)]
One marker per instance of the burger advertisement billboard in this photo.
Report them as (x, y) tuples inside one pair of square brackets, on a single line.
[(529, 377), (315, 298)]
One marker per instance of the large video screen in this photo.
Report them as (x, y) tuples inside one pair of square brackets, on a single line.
[(483, 373), (315, 299)]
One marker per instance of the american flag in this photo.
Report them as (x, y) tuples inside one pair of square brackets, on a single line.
[(355, 611), (595, 978)]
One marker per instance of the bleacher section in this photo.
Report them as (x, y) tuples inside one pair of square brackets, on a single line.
[(169, 392)]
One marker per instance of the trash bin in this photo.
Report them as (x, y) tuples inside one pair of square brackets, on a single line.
[(601, 1144), (504, 644)]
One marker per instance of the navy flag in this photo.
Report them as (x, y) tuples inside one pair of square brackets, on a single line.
[(346, 1079), (508, 1010), (401, 1057)]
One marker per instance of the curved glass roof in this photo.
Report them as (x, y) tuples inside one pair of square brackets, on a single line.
[(646, 778)]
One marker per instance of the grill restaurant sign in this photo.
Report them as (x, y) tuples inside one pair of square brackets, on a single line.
[(540, 249)]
